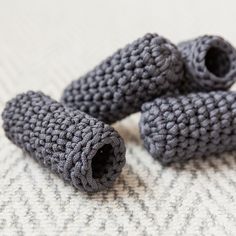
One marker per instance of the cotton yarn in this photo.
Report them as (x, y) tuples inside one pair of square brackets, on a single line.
[(87, 153), (209, 64), (71, 139), (191, 126), (143, 70)]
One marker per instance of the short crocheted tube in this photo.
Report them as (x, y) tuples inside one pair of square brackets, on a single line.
[(80, 149), (184, 127), (210, 64), (143, 70)]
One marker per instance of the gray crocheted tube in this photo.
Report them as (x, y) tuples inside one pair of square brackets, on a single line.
[(116, 88), (184, 127), (80, 149), (210, 64)]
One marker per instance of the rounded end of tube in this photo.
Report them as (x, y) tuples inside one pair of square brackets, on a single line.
[(210, 62), (100, 165)]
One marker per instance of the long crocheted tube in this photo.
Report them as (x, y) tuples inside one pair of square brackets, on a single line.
[(184, 127), (80, 149), (210, 64), (143, 70)]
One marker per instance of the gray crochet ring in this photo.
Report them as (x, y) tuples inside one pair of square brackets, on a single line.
[(80, 149), (143, 70), (210, 64), (191, 126)]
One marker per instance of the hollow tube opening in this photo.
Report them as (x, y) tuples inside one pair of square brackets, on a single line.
[(217, 62), (102, 161)]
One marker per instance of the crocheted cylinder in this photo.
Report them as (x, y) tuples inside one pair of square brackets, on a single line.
[(184, 127), (210, 64), (116, 88), (80, 149)]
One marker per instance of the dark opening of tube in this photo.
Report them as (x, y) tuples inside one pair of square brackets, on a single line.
[(102, 161), (217, 62)]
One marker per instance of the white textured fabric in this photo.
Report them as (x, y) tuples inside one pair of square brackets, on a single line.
[(46, 44)]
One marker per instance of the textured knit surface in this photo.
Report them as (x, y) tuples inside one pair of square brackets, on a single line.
[(80, 149), (46, 44), (210, 64), (191, 126), (141, 71)]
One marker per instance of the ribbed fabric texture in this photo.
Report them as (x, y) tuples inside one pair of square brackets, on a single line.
[(143, 70), (196, 125), (209, 63), (80, 149)]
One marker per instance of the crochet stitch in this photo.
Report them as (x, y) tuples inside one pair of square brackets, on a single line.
[(210, 64), (80, 149), (143, 70), (191, 126)]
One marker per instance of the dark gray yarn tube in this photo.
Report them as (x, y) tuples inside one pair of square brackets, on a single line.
[(210, 64), (80, 149), (149, 67), (184, 127)]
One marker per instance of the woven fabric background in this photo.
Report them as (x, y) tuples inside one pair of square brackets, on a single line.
[(46, 44)]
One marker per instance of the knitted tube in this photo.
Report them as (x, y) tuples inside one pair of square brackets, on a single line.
[(210, 64), (80, 149), (184, 127), (141, 71)]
